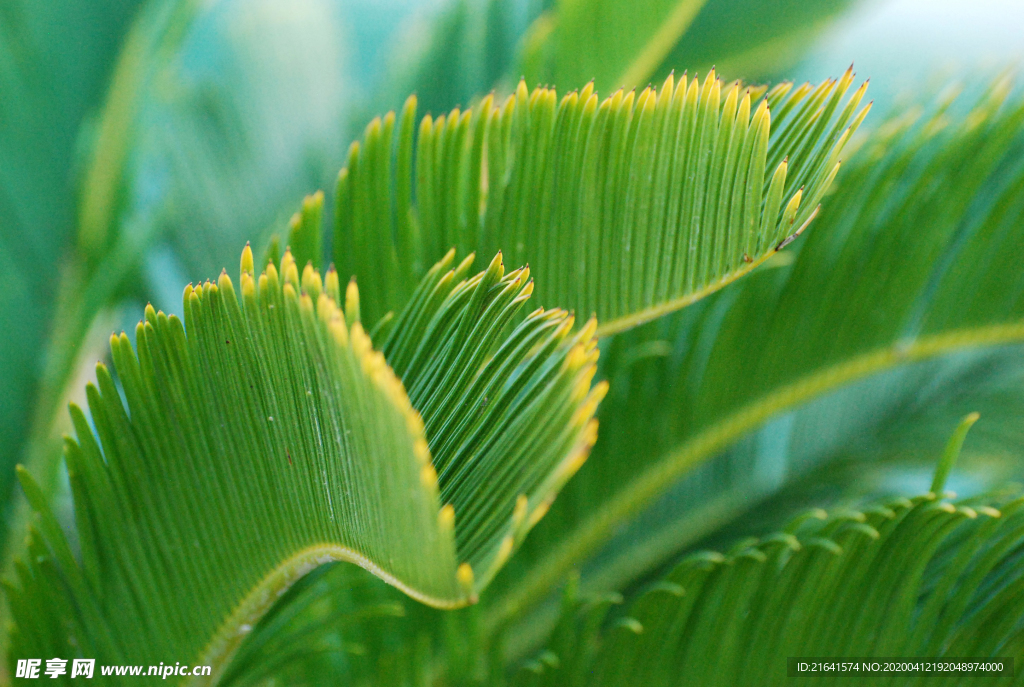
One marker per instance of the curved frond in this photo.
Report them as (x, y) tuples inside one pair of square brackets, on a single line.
[(909, 577), (266, 437), (631, 207), (917, 256)]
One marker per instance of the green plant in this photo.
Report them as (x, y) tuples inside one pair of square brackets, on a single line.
[(308, 480)]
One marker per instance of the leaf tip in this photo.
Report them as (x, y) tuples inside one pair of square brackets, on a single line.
[(428, 476), (519, 513), (247, 265), (504, 551), (446, 517), (952, 452), (465, 576), (352, 302)]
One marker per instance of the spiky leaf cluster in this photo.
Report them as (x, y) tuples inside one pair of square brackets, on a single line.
[(265, 436), (631, 207)]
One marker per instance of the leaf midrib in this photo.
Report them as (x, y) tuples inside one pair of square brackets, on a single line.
[(640, 317), (225, 642)]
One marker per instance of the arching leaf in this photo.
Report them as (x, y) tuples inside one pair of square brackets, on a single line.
[(631, 207), (266, 437), (917, 255)]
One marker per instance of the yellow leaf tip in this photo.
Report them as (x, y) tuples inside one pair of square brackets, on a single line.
[(247, 264), (446, 516), (519, 513), (504, 551), (465, 576), (538, 514), (420, 447), (428, 476)]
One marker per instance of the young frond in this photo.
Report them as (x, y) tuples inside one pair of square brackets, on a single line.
[(631, 207), (266, 436)]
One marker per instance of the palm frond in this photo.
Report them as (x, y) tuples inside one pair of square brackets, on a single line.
[(266, 437), (917, 256), (631, 207), (629, 44), (927, 576)]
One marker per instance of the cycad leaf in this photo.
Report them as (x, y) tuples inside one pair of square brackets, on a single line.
[(631, 207), (909, 577), (918, 255), (266, 437)]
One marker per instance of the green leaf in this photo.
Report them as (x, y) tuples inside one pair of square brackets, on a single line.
[(152, 40), (951, 453), (614, 43), (267, 437), (304, 231), (53, 65), (93, 263), (917, 256), (629, 208), (178, 152), (908, 577), (757, 39)]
